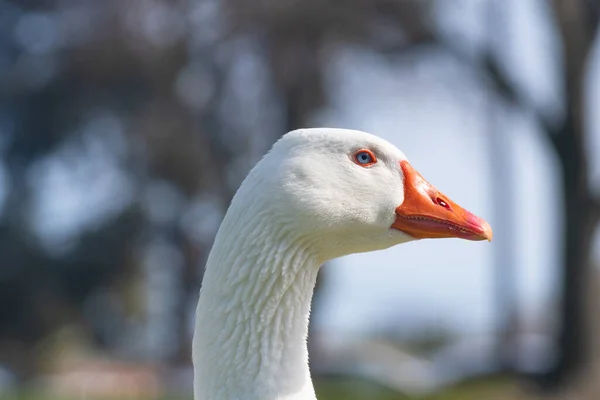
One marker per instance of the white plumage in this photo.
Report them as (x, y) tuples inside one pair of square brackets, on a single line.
[(314, 197)]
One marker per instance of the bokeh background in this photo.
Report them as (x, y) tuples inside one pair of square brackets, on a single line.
[(127, 125)]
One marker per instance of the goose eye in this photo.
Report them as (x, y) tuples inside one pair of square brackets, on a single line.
[(364, 158)]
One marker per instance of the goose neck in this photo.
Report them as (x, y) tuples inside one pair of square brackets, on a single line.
[(253, 314)]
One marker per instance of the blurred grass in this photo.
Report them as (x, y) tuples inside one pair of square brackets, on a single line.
[(487, 389), (354, 389)]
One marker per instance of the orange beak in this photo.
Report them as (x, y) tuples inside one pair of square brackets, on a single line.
[(427, 213)]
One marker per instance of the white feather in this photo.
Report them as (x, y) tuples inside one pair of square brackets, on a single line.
[(304, 203)]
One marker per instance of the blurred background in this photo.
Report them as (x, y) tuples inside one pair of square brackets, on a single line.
[(126, 126)]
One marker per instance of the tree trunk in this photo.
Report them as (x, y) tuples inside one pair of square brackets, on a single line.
[(581, 218), (577, 25)]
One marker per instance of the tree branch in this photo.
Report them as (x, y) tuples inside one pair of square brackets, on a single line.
[(595, 205), (557, 139), (593, 16), (488, 69)]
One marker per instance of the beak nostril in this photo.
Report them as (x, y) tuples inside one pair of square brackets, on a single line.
[(442, 202)]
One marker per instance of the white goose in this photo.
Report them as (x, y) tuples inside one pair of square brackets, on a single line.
[(317, 195)]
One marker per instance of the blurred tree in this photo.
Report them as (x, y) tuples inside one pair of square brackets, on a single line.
[(97, 97), (158, 108), (158, 94), (577, 24), (166, 95)]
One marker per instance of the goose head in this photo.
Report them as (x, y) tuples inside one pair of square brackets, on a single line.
[(346, 191), (317, 195)]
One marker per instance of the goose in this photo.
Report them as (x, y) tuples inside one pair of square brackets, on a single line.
[(318, 194)]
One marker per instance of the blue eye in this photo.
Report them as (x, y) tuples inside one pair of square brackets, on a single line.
[(364, 158)]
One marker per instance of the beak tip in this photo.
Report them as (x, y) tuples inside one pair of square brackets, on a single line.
[(487, 232)]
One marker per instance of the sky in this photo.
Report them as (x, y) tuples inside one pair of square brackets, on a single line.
[(438, 115)]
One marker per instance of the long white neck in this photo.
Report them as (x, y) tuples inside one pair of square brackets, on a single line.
[(253, 313)]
